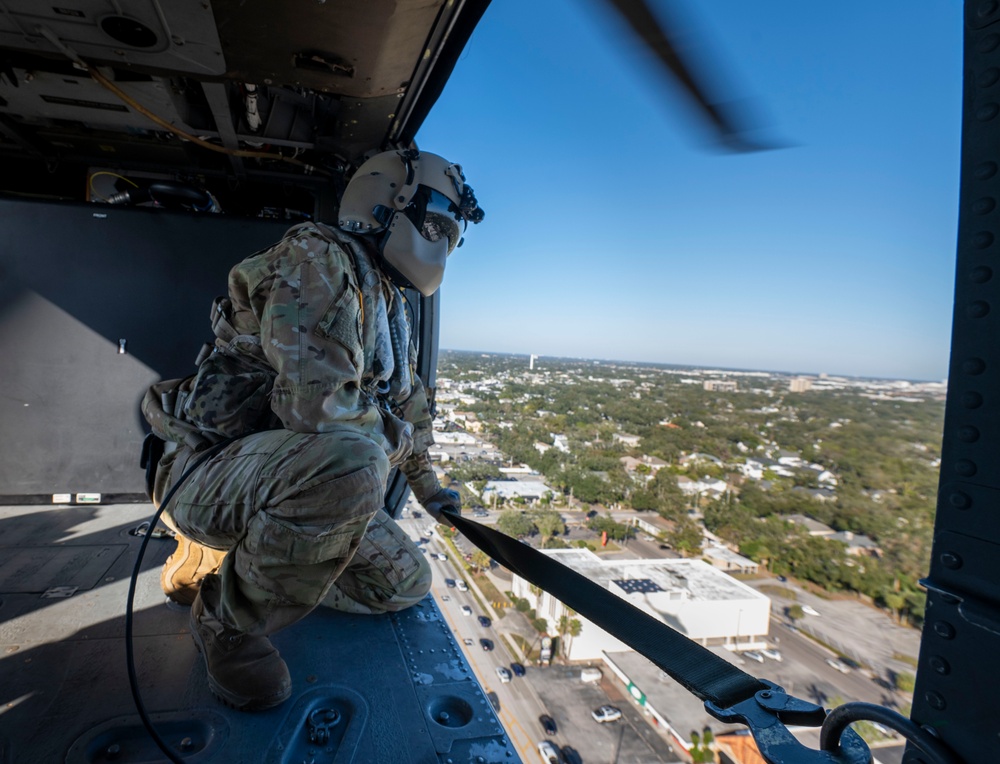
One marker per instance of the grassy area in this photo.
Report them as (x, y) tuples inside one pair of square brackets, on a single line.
[(907, 659), (464, 570), (778, 591), (510, 647), (611, 547), (525, 646), (492, 594)]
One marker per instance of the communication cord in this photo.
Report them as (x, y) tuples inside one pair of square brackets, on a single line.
[(133, 679)]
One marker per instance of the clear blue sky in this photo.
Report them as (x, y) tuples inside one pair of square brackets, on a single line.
[(613, 232)]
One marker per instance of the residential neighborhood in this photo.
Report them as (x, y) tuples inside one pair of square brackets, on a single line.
[(663, 484)]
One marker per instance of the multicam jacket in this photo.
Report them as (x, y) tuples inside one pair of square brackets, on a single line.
[(312, 337)]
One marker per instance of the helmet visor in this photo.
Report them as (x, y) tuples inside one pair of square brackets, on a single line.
[(440, 220)]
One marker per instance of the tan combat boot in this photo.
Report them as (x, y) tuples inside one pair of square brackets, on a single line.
[(244, 671), (184, 570)]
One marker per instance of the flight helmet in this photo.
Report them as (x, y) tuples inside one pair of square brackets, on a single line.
[(417, 205)]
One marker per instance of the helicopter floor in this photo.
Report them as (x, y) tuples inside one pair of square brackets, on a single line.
[(367, 689)]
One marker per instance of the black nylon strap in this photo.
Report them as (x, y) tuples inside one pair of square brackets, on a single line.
[(700, 671)]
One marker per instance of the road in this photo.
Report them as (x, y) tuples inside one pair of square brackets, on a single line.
[(520, 706), (521, 700), (805, 673)]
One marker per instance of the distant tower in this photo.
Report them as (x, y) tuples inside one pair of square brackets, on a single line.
[(800, 385), (531, 362)]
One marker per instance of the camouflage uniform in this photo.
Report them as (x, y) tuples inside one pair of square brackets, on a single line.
[(313, 369)]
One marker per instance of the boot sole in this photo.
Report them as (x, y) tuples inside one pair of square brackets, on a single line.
[(231, 699)]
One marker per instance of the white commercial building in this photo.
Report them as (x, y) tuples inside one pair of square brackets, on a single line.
[(691, 596), (529, 490)]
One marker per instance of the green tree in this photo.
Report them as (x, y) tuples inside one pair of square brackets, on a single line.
[(515, 523), (481, 560), (615, 530), (685, 536), (904, 681), (549, 523)]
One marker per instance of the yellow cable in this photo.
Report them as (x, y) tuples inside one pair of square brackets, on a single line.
[(186, 135), (114, 175), (96, 193), (102, 80)]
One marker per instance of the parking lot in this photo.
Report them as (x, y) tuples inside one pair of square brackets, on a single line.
[(570, 701)]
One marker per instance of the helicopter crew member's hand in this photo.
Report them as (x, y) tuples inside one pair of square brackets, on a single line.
[(445, 498)]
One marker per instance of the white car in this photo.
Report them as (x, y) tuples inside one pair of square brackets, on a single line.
[(606, 714), (504, 674), (549, 753), (754, 656), (468, 642), (462, 586), (441, 556), (843, 668), (429, 533), (809, 610), (466, 610), (771, 653)]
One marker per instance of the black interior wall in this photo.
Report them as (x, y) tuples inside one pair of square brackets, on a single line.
[(77, 279)]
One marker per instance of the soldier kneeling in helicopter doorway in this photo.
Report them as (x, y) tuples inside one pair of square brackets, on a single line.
[(312, 375)]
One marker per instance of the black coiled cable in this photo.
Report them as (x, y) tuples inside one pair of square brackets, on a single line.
[(129, 650)]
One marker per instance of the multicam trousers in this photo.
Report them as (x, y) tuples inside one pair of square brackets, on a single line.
[(301, 518)]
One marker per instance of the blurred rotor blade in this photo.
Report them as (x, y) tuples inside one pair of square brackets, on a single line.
[(668, 46)]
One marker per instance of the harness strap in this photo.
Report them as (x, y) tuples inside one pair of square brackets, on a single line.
[(697, 669)]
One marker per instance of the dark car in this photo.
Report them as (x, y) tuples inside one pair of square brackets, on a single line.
[(571, 755), (484, 621), (417, 514), (487, 644), (494, 700), (450, 583), (548, 724), (517, 668)]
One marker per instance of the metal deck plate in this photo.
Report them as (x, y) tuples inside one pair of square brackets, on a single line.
[(390, 688), (40, 569)]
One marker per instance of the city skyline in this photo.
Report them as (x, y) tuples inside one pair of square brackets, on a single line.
[(612, 231), (539, 359)]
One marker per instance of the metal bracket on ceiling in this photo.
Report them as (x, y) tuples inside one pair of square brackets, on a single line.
[(218, 102)]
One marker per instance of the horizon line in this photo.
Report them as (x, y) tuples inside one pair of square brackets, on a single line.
[(697, 367)]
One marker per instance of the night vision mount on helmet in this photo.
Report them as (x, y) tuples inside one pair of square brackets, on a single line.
[(420, 205)]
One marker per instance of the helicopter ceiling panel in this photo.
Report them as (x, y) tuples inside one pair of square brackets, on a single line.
[(242, 89), (178, 36), (58, 96), (354, 48)]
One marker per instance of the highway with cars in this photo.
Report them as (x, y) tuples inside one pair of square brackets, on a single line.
[(519, 700), (517, 704)]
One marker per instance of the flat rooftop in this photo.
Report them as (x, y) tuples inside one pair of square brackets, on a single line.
[(682, 710), (726, 555), (698, 579)]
